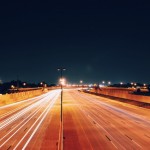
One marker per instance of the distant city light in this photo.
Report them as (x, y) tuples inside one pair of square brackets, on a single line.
[(95, 84), (12, 86), (24, 84), (103, 82), (90, 85), (109, 82)]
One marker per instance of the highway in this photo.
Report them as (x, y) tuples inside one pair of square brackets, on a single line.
[(90, 122), (24, 125)]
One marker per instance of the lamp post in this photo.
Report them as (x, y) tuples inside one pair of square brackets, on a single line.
[(61, 75), (60, 146)]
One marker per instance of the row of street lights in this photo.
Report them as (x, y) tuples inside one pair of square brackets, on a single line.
[(108, 82)]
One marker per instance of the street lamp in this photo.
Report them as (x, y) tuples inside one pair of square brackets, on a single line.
[(61, 112), (61, 83)]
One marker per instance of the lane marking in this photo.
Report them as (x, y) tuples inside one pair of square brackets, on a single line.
[(108, 138), (9, 147), (114, 145), (94, 122), (25, 129), (128, 137), (137, 144)]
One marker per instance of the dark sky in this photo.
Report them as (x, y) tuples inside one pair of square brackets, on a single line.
[(94, 40)]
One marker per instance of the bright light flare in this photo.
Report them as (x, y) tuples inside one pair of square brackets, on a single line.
[(62, 81)]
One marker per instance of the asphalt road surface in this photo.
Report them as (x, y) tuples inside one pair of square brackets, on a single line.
[(92, 122), (89, 123), (30, 124)]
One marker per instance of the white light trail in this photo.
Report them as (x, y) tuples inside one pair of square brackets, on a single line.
[(43, 115), (49, 100)]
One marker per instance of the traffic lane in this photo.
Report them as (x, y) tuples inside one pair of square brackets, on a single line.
[(137, 121), (34, 122), (19, 127), (113, 122), (14, 117), (28, 137), (16, 123), (100, 128), (131, 108), (52, 129), (120, 111), (7, 110), (79, 131), (115, 130)]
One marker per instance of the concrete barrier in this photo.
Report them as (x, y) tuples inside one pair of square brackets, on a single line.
[(121, 93), (14, 97)]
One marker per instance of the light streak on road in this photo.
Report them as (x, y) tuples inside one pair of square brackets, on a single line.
[(23, 103), (42, 117), (20, 102), (89, 122), (34, 112)]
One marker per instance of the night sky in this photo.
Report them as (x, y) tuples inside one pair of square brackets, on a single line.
[(94, 40)]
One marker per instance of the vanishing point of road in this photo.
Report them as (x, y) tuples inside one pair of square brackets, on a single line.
[(89, 123)]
